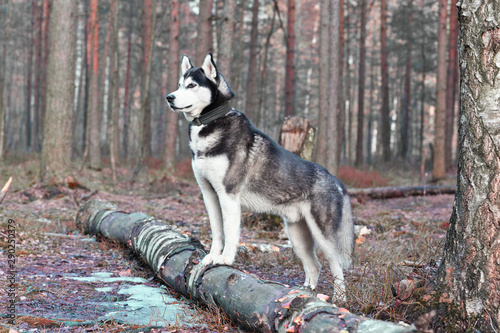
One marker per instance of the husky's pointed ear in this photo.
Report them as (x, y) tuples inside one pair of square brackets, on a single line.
[(209, 67), (185, 64)]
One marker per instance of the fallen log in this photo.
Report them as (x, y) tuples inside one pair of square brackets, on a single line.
[(252, 303), (402, 191)]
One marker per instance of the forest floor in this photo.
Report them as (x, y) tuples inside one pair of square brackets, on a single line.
[(56, 265)]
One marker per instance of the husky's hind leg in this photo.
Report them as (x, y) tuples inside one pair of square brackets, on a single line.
[(303, 245)]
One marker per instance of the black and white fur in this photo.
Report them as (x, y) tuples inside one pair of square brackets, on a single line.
[(237, 165)]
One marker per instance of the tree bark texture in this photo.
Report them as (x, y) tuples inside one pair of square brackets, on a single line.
[(361, 85), (250, 104), (470, 270), (324, 79), (226, 50), (93, 139), (56, 148), (204, 42), (335, 92), (290, 65), (341, 116), (439, 168), (384, 111), (255, 304), (451, 85), (126, 90), (114, 148), (173, 70), (406, 100)]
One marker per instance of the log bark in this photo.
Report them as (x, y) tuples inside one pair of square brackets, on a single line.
[(5, 189), (403, 191), (252, 303)]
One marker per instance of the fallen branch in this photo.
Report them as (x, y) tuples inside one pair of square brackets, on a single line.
[(5, 189), (402, 191), (262, 306)]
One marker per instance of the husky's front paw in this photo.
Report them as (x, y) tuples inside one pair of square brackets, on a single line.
[(208, 259), (223, 260)]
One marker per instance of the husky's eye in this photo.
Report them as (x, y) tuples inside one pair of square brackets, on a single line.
[(191, 85)]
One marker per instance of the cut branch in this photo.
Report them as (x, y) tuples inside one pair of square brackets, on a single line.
[(262, 306), (5, 189), (399, 192)]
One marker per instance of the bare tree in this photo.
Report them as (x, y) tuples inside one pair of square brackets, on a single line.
[(469, 272), (56, 148), (361, 85), (384, 111)]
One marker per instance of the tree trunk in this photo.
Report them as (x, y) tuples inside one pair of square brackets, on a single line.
[(3, 84), (225, 56), (204, 42), (126, 94), (406, 100), (439, 167), (290, 66), (114, 150), (29, 80), (361, 86), (254, 304), (173, 70), (147, 43), (94, 119), (341, 115), (335, 84), (451, 85), (250, 105), (36, 139), (385, 127), (324, 81), (46, 5), (470, 270), (56, 149)]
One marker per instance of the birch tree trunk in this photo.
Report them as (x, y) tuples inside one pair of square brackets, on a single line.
[(56, 148), (252, 303), (470, 270)]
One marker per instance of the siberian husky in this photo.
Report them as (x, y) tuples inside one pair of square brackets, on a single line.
[(235, 165)]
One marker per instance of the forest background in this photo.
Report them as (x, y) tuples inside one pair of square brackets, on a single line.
[(381, 75)]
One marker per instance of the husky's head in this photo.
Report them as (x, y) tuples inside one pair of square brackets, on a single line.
[(201, 89)]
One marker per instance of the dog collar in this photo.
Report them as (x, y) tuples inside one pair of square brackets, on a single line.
[(210, 116)]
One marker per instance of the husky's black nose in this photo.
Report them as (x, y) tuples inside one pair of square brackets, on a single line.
[(170, 98)]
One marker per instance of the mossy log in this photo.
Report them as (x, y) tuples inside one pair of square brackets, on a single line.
[(401, 191), (252, 303)]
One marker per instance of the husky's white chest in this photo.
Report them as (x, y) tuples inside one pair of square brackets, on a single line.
[(212, 168)]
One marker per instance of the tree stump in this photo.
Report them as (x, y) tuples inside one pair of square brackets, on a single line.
[(297, 136)]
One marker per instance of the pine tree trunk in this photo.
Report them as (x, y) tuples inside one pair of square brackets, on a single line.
[(252, 303), (56, 149), (114, 150), (361, 86), (147, 43), (439, 167), (335, 84), (29, 79), (406, 100), (290, 66), (204, 41), (470, 270), (126, 90), (324, 81), (4, 84), (451, 85), (341, 116), (173, 70), (250, 105), (94, 119), (385, 127), (225, 56)]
